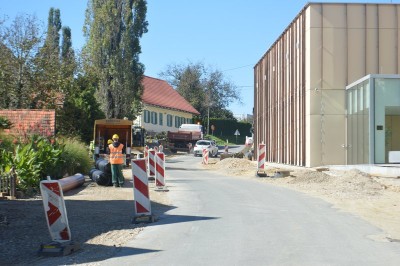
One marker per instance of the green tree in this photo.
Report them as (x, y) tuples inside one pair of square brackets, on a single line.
[(6, 69), (113, 30), (68, 62), (20, 43), (49, 82), (80, 110), (53, 32), (206, 89)]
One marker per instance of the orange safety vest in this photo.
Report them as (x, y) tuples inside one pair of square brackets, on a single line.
[(116, 156)]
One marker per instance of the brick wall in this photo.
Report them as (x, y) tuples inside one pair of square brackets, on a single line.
[(30, 121)]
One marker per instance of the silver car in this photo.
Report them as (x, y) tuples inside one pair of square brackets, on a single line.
[(205, 144)]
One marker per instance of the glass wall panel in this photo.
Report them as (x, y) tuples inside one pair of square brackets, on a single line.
[(358, 123), (387, 111), (366, 124)]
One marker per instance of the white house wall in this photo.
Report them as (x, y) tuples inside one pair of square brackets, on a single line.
[(157, 128)]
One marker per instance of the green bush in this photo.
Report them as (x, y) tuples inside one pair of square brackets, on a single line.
[(32, 160), (5, 123), (38, 157), (6, 142), (226, 127), (76, 158)]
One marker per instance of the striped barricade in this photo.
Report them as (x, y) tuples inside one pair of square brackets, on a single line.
[(142, 204), (55, 211), (146, 155), (160, 172), (152, 164), (205, 156), (261, 160)]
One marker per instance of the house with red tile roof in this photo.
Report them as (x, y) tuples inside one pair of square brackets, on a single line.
[(164, 109)]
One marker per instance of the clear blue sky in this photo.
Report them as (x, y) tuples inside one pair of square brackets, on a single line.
[(228, 35)]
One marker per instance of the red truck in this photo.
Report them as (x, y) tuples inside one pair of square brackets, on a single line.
[(185, 138)]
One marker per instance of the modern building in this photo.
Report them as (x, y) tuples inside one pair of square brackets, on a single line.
[(164, 109), (327, 92)]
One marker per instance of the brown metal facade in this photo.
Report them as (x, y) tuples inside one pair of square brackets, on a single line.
[(279, 102)]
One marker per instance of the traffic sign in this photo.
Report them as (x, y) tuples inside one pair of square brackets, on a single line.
[(237, 133)]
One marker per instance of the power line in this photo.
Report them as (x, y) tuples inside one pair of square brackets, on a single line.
[(237, 68)]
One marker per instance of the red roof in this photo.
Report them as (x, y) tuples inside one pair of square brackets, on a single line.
[(30, 121), (159, 93)]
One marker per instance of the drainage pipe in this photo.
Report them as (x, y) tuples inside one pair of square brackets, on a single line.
[(71, 182)]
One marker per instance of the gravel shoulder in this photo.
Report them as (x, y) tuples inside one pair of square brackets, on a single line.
[(100, 217)]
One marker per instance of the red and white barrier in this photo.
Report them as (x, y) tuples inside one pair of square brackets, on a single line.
[(261, 160), (261, 156), (55, 211), (152, 163), (160, 172), (141, 188), (205, 156), (146, 155)]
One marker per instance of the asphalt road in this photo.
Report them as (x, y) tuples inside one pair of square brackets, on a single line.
[(220, 220)]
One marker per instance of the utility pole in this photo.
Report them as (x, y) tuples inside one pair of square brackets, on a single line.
[(208, 118)]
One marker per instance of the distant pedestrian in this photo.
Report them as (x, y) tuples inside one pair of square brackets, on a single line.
[(116, 161), (190, 147)]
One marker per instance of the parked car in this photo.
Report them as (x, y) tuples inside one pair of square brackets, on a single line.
[(205, 144)]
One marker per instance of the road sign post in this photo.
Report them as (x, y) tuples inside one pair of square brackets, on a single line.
[(237, 133)]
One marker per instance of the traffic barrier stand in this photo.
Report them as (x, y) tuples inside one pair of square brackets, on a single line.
[(57, 221), (205, 156), (152, 164), (160, 172), (142, 204), (261, 161), (146, 156)]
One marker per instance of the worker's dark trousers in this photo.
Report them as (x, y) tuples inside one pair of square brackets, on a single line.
[(117, 176)]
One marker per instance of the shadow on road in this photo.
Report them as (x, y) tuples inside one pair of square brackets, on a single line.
[(172, 219)]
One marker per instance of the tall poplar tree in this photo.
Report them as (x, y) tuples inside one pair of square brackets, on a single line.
[(113, 29), (68, 63), (48, 71)]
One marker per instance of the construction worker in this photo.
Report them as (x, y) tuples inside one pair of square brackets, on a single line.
[(116, 161), (108, 144)]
